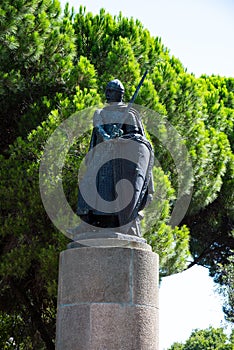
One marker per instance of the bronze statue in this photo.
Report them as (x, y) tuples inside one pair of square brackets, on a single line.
[(118, 129)]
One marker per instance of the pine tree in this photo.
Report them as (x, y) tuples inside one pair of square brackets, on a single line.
[(37, 48), (53, 66)]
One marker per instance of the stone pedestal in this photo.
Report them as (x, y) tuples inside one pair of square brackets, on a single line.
[(108, 298)]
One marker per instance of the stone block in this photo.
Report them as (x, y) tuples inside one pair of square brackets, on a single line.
[(107, 327), (145, 278), (95, 275), (123, 327), (73, 328)]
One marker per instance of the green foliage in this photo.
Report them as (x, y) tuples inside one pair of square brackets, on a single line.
[(30, 244), (208, 339), (12, 332), (128, 70), (60, 65), (39, 47)]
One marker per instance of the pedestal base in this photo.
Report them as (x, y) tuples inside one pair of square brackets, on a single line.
[(108, 299)]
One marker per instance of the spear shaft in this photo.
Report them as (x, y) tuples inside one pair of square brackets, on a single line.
[(138, 88)]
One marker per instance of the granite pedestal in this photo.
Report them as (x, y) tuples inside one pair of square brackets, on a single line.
[(108, 295)]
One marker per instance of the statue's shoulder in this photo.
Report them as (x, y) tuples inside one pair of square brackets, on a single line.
[(123, 107), (97, 112), (131, 113)]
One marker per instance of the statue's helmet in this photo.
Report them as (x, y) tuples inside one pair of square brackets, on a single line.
[(115, 85)]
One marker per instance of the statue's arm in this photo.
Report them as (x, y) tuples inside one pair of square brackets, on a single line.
[(98, 126)]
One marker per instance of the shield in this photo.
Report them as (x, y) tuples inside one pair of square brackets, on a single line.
[(116, 179)]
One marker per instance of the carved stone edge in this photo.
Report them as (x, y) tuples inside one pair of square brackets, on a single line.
[(108, 239)]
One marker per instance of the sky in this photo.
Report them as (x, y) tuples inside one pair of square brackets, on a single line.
[(188, 301), (200, 34)]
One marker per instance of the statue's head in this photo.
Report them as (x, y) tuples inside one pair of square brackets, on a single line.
[(114, 91)]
